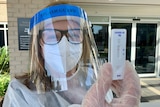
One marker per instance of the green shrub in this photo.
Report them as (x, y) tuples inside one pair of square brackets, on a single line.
[(4, 81), (4, 60), (4, 70)]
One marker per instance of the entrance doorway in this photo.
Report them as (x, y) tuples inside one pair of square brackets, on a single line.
[(145, 47), (141, 42)]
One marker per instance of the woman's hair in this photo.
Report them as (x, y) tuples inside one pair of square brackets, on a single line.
[(37, 71)]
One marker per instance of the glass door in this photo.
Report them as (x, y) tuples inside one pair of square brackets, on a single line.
[(128, 27), (145, 47), (100, 32), (141, 41), (141, 44)]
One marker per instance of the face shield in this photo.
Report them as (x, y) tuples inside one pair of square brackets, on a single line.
[(63, 47)]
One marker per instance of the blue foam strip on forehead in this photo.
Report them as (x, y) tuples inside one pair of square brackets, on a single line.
[(57, 11)]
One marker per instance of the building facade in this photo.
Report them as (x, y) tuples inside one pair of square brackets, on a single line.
[(141, 19)]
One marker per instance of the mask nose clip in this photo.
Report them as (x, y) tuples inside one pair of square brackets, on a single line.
[(64, 40), (65, 36)]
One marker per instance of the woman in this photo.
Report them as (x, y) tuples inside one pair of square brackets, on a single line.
[(63, 64)]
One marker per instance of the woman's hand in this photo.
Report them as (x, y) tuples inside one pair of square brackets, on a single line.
[(128, 90)]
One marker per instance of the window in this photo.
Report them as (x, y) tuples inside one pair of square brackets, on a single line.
[(3, 34)]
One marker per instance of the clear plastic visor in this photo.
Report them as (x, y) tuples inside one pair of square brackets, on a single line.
[(68, 51)]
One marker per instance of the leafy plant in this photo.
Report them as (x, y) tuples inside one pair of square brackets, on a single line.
[(4, 60), (4, 70), (4, 81)]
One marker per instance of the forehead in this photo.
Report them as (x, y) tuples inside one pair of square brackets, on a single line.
[(62, 24)]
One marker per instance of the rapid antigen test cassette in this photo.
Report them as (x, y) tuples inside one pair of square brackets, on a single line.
[(118, 52)]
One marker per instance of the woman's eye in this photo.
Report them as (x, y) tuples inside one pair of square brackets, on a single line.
[(49, 32), (51, 37), (48, 36), (74, 33)]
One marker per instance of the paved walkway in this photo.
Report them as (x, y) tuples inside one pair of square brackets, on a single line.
[(150, 90)]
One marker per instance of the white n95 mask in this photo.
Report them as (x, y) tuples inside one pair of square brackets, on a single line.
[(61, 58)]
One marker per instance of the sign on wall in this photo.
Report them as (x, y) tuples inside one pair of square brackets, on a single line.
[(23, 36)]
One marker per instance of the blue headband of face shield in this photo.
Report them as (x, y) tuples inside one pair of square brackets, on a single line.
[(57, 11)]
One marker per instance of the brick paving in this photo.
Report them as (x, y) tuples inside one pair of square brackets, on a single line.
[(150, 89)]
